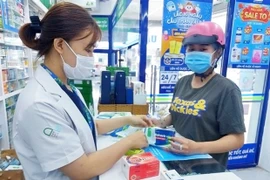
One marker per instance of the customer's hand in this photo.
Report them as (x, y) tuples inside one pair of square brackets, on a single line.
[(140, 121), (181, 145), (137, 140), (156, 122)]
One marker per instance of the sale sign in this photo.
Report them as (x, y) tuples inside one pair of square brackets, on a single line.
[(255, 13), (250, 37)]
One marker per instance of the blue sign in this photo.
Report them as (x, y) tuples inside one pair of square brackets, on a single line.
[(245, 155), (178, 17), (250, 35)]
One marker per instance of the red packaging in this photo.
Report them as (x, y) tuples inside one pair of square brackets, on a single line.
[(140, 166)]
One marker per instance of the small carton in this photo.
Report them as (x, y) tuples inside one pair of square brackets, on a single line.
[(139, 95), (170, 175), (158, 136), (140, 166)]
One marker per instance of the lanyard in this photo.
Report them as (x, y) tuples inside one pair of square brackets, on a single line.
[(87, 116)]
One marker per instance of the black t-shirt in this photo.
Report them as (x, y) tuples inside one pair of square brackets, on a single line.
[(208, 113)]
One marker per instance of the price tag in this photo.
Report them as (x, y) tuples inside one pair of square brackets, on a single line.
[(169, 77)]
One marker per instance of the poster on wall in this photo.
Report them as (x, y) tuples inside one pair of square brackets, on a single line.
[(250, 35), (178, 17)]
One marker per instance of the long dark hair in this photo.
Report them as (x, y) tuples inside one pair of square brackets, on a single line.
[(64, 20)]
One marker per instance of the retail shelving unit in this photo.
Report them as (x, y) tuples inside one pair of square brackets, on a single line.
[(16, 63)]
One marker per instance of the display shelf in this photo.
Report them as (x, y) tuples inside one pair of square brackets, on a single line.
[(12, 93), (15, 65)]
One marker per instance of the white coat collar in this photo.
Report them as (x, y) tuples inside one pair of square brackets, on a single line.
[(47, 82)]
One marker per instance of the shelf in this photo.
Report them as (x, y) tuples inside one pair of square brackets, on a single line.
[(17, 79), (17, 13), (11, 80), (12, 94), (10, 105), (14, 45), (23, 78), (4, 30)]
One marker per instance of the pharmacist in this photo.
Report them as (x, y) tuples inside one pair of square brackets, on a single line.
[(206, 107), (54, 133)]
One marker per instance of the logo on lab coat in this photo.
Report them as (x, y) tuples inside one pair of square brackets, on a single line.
[(52, 132)]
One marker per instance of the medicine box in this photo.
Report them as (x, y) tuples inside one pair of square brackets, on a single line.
[(140, 166), (139, 95), (158, 136)]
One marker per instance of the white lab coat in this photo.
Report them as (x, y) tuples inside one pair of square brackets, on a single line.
[(49, 131)]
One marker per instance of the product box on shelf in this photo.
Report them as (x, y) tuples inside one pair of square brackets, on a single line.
[(5, 88), (13, 166), (12, 86), (139, 95), (4, 75), (11, 74), (140, 166)]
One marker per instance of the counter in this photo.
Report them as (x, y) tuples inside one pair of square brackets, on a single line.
[(201, 166)]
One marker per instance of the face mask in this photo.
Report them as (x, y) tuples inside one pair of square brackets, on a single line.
[(199, 62), (83, 68)]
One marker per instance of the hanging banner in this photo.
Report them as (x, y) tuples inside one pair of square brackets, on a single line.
[(120, 8), (178, 17), (250, 35)]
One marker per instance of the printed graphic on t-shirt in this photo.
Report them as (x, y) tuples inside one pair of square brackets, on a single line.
[(193, 108)]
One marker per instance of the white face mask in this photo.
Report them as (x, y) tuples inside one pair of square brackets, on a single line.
[(83, 68)]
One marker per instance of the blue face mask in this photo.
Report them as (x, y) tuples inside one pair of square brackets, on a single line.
[(199, 62)]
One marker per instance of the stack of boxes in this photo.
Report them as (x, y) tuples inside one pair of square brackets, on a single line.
[(119, 95)]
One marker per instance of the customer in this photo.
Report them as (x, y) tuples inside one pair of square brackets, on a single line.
[(55, 136), (206, 107)]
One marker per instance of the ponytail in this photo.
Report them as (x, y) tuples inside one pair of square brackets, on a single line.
[(28, 37)]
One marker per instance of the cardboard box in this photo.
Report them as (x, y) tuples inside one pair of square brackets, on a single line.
[(140, 166)]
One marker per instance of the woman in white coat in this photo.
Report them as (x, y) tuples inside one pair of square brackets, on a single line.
[(54, 133)]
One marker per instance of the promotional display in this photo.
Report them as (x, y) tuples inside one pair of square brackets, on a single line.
[(250, 36), (247, 50), (178, 16), (245, 155)]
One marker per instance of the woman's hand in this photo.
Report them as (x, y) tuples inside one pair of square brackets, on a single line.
[(137, 140), (181, 145), (163, 122), (140, 121), (156, 122)]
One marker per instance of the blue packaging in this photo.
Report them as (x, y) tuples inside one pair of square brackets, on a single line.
[(158, 137), (129, 95), (3, 164), (163, 135)]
